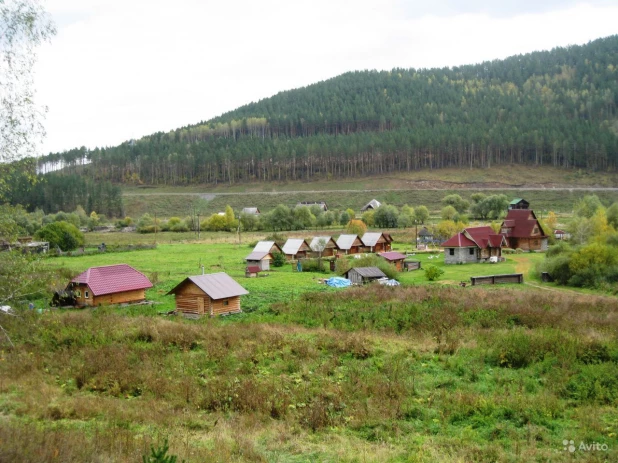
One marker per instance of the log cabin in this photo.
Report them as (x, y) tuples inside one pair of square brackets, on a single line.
[(212, 294), (350, 244), (110, 284)]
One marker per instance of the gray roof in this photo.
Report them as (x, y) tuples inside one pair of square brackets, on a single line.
[(216, 285), (250, 210), (292, 246), (316, 245), (257, 255), (424, 232), (263, 246), (346, 241), (373, 204), (370, 239), (368, 272)]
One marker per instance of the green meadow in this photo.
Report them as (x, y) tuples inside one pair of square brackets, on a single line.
[(424, 372)]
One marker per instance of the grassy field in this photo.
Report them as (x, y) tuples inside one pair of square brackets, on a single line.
[(417, 373)]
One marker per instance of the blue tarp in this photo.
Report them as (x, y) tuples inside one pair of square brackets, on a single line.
[(338, 282)]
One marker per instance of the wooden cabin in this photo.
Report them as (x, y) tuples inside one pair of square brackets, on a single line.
[(371, 205), (296, 249), (350, 244), (519, 203), (323, 245), (262, 254), (212, 294), (376, 242), (361, 275), (522, 230), (252, 271), (110, 284), (395, 258)]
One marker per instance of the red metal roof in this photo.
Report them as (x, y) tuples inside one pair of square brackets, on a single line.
[(459, 241), (392, 255), (113, 279), (253, 269), (521, 223)]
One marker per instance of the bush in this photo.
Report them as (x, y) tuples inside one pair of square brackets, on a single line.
[(278, 259), (373, 260), (432, 273), (62, 234), (342, 266), (313, 265)]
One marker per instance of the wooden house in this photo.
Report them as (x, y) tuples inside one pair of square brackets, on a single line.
[(212, 294), (522, 230), (395, 258), (252, 271), (350, 244), (323, 246), (376, 242), (519, 203), (250, 211), (110, 284), (360, 275), (561, 235), (296, 248), (474, 244), (262, 254), (321, 204), (371, 205)]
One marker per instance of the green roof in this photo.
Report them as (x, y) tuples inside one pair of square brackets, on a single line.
[(516, 200)]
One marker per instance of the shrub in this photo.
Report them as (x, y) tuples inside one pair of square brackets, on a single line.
[(278, 259), (342, 266), (313, 265), (62, 234), (432, 273)]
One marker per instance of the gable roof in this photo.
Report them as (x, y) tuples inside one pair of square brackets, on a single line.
[(424, 232), (250, 210), (346, 242), (520, 223), (373, 204), (293, 246), (216, 285), (257, 256), (392, 255), (110, 279), (367, 272), (371, 239), (266, 246), (321, 204), (459, 241), (253, 269), (517, 200), (317, 246)]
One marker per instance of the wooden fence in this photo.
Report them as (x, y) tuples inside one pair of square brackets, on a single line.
[(497, 279)]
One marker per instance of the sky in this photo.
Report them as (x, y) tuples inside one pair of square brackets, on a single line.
[(123, 69)]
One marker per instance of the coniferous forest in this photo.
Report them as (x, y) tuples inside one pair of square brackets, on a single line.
[(553, 108)]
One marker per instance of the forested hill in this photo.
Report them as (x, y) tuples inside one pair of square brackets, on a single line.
[(554, 107)]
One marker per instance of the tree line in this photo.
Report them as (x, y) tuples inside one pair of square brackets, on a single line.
[(555, 108)]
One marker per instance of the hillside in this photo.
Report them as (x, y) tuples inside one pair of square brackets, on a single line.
[(553, 108)]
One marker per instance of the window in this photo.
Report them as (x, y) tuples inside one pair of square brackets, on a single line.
[(226, 302), (451, 252), (86, 294), (471, 251), (78, 293)]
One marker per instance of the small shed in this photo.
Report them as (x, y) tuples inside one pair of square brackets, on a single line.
[(350, 244), (371, 205), (376, 242), (395, 258), (360, 275), (212, 294), (424, 236), (323, 245), (110, 284), (409, 265), (519, 203), (267, 246), (296, 248), (252, 271), (260, 260)]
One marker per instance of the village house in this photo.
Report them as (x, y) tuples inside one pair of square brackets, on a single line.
[(110, 284), (371, 205), (474, 244), (522, 230), (250, 211), (296, 248), (361, 275), (323, 246), (321, 204), (350, 244), (212, 294), (519, 203), (376, 242), (262, 254), (395, 258), (424, 236)]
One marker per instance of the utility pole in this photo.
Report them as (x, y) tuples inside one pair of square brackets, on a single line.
[(239, 230), (155, 224), (198, 225)]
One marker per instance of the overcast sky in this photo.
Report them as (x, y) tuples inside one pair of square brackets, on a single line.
[(122, 69)]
